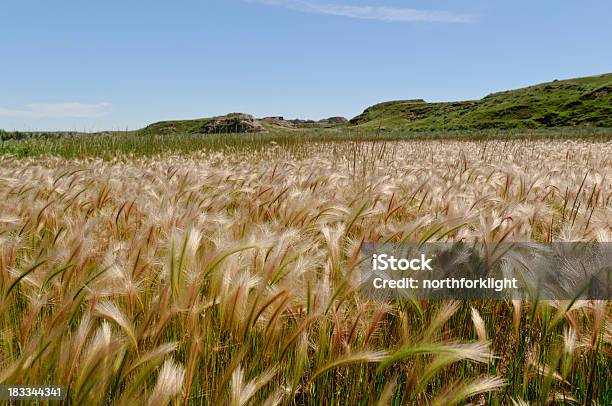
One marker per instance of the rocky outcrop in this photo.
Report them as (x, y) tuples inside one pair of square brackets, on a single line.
[(297, 123), (233, 123), (333, 120), (324, 122), (278, 121), (246, 123)]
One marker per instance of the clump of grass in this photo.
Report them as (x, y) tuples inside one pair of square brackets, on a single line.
[(229, 275)]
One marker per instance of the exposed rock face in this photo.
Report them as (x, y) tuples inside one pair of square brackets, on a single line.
[(325, 121), (603, 91), (279, 121), (233, 123), (296, 123), (299, 122), (334, 120)]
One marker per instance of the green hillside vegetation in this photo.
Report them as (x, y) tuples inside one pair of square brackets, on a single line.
[(175, 126), (197, 126), (580, 102), (561, 103)]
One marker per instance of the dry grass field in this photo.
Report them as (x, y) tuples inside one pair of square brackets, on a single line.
[(230, 276)]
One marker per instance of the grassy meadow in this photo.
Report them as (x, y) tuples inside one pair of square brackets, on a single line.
[(223, 270)]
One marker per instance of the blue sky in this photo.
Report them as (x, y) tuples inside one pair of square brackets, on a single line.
[(93, 65)]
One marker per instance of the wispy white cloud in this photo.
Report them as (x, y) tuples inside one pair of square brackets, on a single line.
[(57, 110), (382, 13)]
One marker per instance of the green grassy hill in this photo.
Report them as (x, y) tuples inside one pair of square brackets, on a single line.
[(577, 103), (175, 127), (581, 102), (198, 126), (561, 103)]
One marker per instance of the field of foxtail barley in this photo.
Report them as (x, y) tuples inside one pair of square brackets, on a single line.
[(229, 276)]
